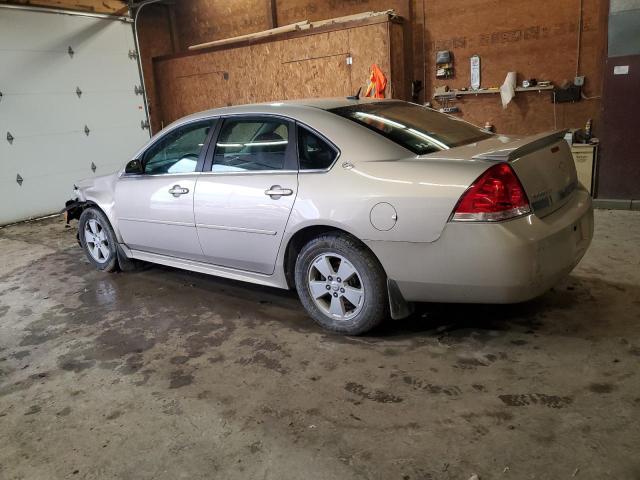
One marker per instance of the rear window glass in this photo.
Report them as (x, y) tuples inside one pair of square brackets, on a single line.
[(412, 126)]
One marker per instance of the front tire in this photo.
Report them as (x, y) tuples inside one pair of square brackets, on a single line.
[(98, 240), (341, 284)]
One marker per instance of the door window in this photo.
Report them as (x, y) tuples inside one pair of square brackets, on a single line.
[(251, 145), (178, 151), (313, 152)]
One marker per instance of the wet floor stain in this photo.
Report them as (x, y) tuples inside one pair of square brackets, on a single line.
[(374, 395), (601, 387), (529, 399), (418, 384)]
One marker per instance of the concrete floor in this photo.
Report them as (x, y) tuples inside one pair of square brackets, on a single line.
[(164, 374)]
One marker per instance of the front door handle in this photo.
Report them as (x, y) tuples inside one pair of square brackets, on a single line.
[(276, 191), (177, 190)]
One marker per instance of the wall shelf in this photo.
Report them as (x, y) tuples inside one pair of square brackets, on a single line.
[(459, 93)]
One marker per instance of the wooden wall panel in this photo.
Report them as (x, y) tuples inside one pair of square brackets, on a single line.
[(369, 45), (313, 65), (400, 82), (308, 78), (291, 11), (315, 46), (536, 39), (115, 7), (155, 38), (202, 21)]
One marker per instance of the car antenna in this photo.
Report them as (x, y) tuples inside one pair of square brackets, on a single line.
[(356, 96)]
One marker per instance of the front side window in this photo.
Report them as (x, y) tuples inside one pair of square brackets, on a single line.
[(313, 152), (177, 151), (416, 128), (251, 145)]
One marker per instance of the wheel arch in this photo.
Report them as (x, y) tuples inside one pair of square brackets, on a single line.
[(301, 237), (398, 306)]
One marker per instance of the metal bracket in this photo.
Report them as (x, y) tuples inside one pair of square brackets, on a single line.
[(86, 130), (137, 89), (70, 51), (93, 167), (144, 124), (19, 179), (132, 54), (78, 92), (9, 138)]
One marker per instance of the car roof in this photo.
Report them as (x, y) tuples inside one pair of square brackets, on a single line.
[(283, 107)]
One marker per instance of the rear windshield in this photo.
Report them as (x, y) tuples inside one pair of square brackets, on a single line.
[(412, 126)]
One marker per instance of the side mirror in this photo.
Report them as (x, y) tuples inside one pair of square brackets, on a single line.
[(134, 167)]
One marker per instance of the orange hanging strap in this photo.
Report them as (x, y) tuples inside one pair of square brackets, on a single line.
[(377, 83)]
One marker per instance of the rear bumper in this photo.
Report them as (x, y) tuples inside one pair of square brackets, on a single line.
[(506, 262)]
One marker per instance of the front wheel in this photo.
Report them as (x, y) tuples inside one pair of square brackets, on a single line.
[(98, 239), (341, 284)]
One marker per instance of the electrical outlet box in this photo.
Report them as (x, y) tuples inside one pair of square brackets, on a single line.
[(578, 81)]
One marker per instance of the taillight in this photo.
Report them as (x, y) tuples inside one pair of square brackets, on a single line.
[(496, 195)]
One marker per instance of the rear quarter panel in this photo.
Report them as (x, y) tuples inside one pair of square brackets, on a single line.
[(422, 192)]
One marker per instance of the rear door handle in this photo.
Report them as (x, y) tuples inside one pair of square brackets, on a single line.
[(276, 191), (177, 190)]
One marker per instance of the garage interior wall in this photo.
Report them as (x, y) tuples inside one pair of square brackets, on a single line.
[(331, 62), (536, 39)]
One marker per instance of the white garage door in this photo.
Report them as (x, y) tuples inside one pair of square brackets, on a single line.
[(68, 106)]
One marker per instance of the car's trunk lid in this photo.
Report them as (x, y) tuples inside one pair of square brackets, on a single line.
[(545, 167)]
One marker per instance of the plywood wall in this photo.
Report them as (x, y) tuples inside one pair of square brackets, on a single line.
[(156, 39), (116, 7), (311, 65), (536, 39)]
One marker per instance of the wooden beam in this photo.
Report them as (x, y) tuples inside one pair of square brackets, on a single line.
[(272, 13), (113, 7)]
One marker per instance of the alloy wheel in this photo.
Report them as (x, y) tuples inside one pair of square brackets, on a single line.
[(335, 286), (95, 237)]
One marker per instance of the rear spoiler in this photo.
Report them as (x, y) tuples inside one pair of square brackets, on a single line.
[(522, 147)]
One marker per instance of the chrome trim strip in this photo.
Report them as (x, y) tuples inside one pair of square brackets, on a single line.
[(60, 11), (162, 222), (148, 175), (253, 172), (236, 229)]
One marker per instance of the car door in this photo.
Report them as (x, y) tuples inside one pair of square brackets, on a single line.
[(246, 192), (154, 208)]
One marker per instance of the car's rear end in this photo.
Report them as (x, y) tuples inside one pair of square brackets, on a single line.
[(520, 227)]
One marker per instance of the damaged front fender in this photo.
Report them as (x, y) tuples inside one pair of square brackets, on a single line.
[(73, 209)]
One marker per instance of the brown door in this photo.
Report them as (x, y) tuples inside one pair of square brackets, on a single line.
[(619, 169)]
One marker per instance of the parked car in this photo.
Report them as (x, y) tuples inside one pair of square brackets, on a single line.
[(363, 206)]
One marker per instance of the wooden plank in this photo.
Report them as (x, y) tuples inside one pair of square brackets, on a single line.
[(272, 13), (113, 7)]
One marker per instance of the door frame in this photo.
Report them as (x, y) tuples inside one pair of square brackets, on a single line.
[(291, 155)]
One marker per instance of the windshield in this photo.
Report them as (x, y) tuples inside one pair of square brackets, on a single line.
[(412, 126)]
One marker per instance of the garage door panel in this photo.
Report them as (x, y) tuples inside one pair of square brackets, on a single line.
[(43, 72), (50, 149), (96, 110), (108, 149)]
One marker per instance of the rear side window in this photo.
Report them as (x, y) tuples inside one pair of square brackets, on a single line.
[(251, 145), (412, 126), (178, 150), (313, 152)]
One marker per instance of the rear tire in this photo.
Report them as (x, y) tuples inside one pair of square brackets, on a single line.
[(98, 240), (341, 284)]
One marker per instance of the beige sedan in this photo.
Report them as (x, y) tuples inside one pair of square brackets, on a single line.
[(363, 206)]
